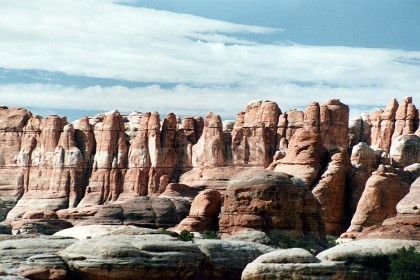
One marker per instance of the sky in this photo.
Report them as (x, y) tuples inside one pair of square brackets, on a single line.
[(191, 57)]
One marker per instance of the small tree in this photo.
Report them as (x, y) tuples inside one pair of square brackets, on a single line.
[(405, 265), (185, 235)]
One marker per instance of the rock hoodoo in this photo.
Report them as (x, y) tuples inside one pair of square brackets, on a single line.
[(141, 169)]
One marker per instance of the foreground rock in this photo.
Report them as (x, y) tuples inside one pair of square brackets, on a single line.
[(293, 263), (34, 258), (158, 256), (131, 257), (227, 259), (364, 259)]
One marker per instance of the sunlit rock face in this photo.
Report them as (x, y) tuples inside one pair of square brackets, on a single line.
[(99, 169), (265, 200)]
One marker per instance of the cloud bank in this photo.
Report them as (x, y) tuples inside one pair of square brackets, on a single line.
[(191, 65)]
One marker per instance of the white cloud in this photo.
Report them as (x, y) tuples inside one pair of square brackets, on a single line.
[(185, 100), (223, 70)]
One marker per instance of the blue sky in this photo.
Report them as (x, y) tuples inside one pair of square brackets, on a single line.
[(190, 57)]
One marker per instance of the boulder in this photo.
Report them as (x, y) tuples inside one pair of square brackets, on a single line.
[(132, 257), (405, 150), (265, 200), (295, 263)]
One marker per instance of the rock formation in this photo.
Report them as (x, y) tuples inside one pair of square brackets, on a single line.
[(203, 212), (330, 191), (364, 162), (254, 134), (141, 170), (379, 200), (305, 156), (264, 200)]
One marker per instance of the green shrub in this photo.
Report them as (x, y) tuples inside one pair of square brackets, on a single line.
[(281, 240), (185, 235), (209, 234), (405, 265)]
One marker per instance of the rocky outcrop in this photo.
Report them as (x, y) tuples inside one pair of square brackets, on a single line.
[(364, 259), (106, 164), (330, 191), (131, 257), (51, 176), (405, 150), (405, 118), (305, 157), (12, 125), (402, 226), (363, 163), (227, 259), (204, 212), (110, 161), (264, 200), (209, 151), (158, 256), (293, 263), (395, 120), (143, 211), (379, 200), (359, 130), (334, 122), (33, 258), (254, 134)]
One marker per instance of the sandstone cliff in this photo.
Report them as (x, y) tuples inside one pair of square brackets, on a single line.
[(113, 162)]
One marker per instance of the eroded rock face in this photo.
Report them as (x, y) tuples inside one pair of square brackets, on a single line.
[(405, 150), (33, 258), (131, 257), (305, 157), (293, 263), (364, 259), (265, 200), (110, 161), (12, 123), (143, 211), (254, 134), (330, 191), (209, 151), (405, 224), (203, 213), (364, 162), (334, 122), (379, 200)]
